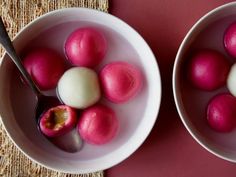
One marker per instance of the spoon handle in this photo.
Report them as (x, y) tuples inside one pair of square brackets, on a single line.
[(7, 44)]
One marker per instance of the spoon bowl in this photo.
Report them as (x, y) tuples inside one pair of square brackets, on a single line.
[(69, 142), (44, 103)]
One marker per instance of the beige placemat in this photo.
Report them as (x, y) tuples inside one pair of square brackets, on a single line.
[(16, 14)]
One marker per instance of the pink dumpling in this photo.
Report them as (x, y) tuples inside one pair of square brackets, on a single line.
[(97, 124), (86, 47), (58, 120), (208, 70), (45, 66), (230, 39), (120, 81), (221, 112)]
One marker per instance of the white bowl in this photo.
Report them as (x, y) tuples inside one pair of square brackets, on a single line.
[(191, 102), (136, 117)]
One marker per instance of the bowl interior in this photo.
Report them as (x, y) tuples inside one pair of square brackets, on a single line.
[(208, 32), (136, 117)]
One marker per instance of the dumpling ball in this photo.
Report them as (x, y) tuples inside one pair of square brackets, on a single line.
[(79, 87)]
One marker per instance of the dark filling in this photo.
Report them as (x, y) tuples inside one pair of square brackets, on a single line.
[(56, 119)]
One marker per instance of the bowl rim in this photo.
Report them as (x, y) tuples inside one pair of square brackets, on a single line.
[(177, 97), (149, 125)]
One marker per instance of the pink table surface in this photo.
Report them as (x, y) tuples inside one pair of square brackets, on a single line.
[(169, 151)]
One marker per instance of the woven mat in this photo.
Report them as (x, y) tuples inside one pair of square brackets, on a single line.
[(16, 14)]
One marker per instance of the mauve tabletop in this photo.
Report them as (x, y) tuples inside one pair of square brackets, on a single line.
[(169, 151)]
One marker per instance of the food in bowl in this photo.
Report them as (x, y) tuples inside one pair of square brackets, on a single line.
[(208, 69), (120, 81), (98, 124), (58, 121), (79, 87), (45, 67), (86, 47)]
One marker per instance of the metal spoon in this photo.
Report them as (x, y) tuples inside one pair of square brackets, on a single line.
[(69, 142)]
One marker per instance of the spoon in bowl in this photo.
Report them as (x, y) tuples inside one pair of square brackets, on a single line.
[(69, 142)]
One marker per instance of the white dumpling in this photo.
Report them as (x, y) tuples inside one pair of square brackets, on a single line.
[(231, 80), (79, 87)]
